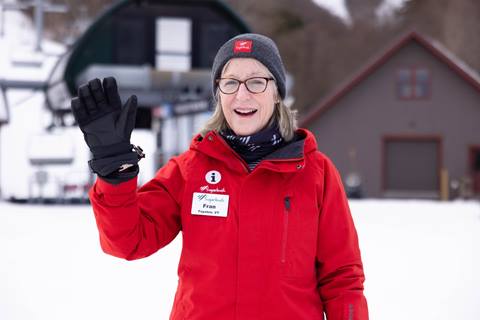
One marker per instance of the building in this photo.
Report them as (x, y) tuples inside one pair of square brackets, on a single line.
[(406, 117), (162, 51)]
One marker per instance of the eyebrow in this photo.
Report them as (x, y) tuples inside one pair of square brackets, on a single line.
[(247, 75)]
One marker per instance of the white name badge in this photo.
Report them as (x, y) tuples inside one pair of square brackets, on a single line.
[(208, 204)]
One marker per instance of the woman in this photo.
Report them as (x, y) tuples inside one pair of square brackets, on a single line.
[(267, 232)]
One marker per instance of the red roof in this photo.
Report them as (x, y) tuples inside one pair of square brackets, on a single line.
[(434, 48)]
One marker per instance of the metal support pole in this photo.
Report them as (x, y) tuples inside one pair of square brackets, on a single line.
[(2, 18), (39, 23), (3, 92)]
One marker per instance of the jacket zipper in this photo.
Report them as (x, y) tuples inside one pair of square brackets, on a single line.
[(286, 211)]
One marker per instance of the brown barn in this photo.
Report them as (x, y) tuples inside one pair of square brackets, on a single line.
[(410, 113)]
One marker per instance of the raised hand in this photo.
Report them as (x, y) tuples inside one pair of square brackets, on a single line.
[(106, 125)]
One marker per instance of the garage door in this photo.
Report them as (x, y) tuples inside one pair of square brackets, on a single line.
[(412, 166)]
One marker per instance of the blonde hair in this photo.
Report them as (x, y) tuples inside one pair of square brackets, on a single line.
[(284, 116)]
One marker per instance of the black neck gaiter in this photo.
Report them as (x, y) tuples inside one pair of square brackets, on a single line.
[(253, 148)]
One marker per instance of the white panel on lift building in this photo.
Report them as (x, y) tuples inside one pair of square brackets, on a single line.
[(173, 44)]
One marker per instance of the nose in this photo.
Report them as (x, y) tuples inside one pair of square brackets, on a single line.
[(242, 93)]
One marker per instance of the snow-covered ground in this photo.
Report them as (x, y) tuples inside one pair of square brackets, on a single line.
[(421, 260)]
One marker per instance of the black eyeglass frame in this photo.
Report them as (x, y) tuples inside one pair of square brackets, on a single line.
[(245, 83)]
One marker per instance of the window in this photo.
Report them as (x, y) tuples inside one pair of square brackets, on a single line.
[(422, 83), (173, 44), (413, 83)]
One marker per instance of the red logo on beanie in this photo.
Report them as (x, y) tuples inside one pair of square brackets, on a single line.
[(242, 46)]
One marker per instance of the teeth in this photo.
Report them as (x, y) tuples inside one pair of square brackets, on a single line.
[(245, 111)]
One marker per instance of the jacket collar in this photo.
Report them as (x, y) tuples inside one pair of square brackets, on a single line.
[(290, 158)]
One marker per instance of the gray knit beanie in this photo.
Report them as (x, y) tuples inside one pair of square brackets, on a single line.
[(251, 45)]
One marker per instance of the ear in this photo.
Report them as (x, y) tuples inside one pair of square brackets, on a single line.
[(277, 97), (276, 94)]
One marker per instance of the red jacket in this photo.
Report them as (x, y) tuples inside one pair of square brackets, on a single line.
[(274, 243)]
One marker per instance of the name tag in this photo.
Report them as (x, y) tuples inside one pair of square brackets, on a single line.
[(208, 204)]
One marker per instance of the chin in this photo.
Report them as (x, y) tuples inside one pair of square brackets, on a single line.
[(246, 128), (244, 132)]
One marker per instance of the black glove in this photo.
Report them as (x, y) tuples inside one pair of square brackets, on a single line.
[(107, 127)]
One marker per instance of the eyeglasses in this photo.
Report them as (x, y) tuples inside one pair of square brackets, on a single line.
[(254, 85)]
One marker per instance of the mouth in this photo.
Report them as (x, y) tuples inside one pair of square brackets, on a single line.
[(245, 112)]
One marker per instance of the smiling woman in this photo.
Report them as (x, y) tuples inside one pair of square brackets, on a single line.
[(248, 103), (267, 231)]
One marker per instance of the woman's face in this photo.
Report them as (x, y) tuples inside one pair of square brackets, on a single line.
[(247, 113)]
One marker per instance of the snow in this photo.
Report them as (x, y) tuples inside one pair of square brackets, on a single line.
[(338, 8), (52, 268), (421, 258), (421, 261), (387, 8), (18, 59), (335, 7)]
